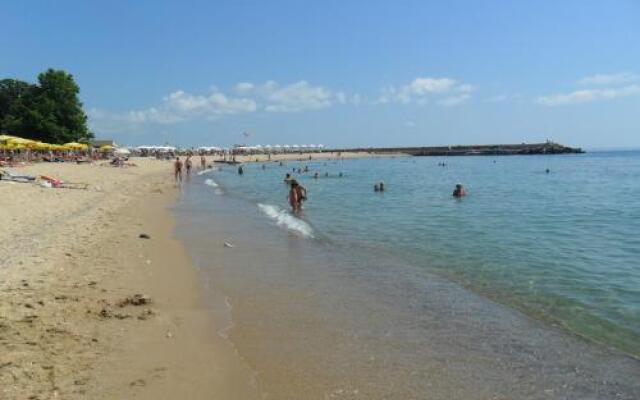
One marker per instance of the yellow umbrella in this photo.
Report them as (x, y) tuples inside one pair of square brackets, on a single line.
[(21, 141), (42, 146), (75, 146), (5, 138), (106, 148)]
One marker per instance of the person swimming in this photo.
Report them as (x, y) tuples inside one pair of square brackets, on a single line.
[(316, 175), (240, 170), (288, 179), (381, 184), (376, 188), (459, 191)]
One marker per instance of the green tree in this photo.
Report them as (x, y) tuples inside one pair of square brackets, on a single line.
[(50, 111), (10, 91)]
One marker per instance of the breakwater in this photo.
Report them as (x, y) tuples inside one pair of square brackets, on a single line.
[(473, 150)]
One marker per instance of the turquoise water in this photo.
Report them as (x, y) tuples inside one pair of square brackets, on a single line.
[(561, 246)]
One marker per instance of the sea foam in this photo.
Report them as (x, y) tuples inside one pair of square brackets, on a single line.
[(285, 219), (211, 182), (206, 171)]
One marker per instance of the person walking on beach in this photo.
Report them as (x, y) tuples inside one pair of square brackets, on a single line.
[(177, 169), (203, 162), (188, 165)]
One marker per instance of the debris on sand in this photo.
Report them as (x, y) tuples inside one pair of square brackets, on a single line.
[(135, 300), (144, 236), (146, 314)]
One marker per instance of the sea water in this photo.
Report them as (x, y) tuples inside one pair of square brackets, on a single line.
[(406, 292)]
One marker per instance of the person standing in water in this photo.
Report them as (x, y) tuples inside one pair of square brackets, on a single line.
[(294, 198), (203, 162), (297, 194), (240, 170), (177, 169)]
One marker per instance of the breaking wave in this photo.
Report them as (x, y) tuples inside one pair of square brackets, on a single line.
[(206, 171), (211, 182), (285, 219)]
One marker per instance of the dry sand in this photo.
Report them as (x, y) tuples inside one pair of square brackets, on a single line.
[(71, 264)]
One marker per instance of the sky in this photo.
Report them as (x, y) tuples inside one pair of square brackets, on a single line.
[(339, 73)]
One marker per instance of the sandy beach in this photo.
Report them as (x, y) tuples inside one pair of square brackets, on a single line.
[(88, 309)]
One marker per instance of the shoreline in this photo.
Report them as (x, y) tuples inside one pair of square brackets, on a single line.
[(71, 325)]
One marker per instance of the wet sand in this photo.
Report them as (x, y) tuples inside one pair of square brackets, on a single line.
[(72, 265)]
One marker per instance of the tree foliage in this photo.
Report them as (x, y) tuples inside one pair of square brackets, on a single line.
[(49, 111)]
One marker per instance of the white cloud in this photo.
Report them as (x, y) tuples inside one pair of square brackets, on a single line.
[(608, 79), (186, 105), (454, 100), (421, 89), (588, 95), (175, 107), (244, 87), (496, 99), (465, 88), (182, 106), (299, 96)]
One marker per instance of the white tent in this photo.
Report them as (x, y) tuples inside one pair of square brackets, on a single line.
[(122, 151)]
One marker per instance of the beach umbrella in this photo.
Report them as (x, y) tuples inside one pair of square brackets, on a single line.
[(75, 146), (42, 146), (20, 141), (6, 138), (122, 151)]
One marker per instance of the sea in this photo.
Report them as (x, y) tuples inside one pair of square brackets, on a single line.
[(527, 288)]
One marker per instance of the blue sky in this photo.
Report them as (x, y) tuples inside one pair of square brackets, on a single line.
[(341, 73)]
